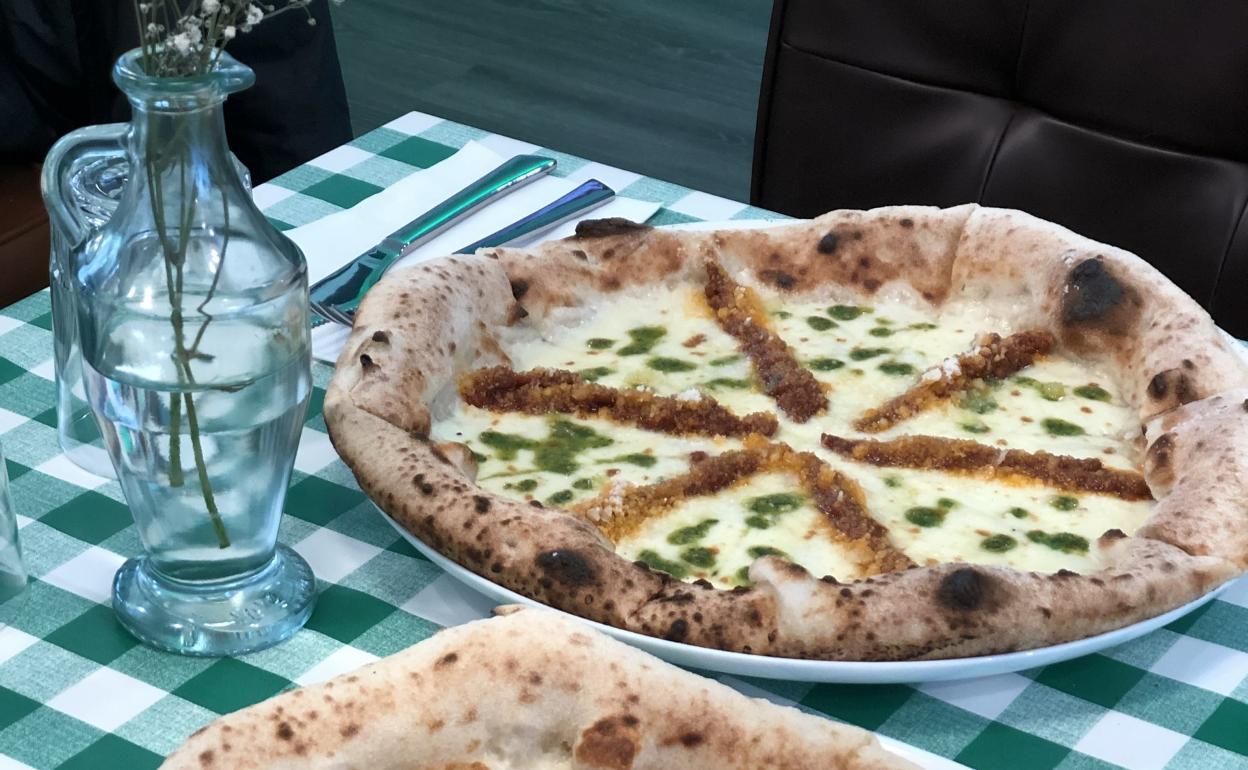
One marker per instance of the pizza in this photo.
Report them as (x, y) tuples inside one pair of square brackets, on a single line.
[(531, 690), (904, 433)]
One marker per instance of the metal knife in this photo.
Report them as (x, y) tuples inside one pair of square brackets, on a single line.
[(353, 280)]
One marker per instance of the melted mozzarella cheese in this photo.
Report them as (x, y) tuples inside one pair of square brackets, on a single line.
[(863, 357), (802, 534)]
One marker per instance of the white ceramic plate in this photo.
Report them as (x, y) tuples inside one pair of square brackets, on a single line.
[(845, 672)]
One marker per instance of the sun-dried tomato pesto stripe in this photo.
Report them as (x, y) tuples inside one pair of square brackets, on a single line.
[(795, 390), (543, 391), (992, 356), (841, 500), (620, 509), (1074, 474)]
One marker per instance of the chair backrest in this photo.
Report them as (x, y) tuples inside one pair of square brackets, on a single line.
[(1124, 120)]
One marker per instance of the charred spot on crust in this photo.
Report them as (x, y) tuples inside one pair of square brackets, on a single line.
[(828, 243), (691, 739), (611, 743), (519, 287), (446, 660), (517, 313), (349, 730), (677, 631), (1094, 296), (906, 222), (581, 255), (1158, 387), (285, 732), (481, 503), (206, 757), (778, 278), (1173, 381), (381, 336), (601, 228), (1113, 534), (966, 589), (567, 567), (1159, 453), (1093, 292), (419, 482), (367, 363)]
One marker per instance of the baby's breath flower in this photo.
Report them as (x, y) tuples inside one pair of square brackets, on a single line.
[(186, 46), (181, 43)]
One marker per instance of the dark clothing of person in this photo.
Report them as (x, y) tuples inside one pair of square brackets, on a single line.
[(56, 60)]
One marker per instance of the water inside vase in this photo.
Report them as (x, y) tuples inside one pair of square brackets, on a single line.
[(247, 402)]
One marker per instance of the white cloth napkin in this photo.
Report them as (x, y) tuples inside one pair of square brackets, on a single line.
[(332, 241)]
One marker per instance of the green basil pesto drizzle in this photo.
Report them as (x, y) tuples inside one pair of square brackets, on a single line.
[(998, 543), (1066, 542), (665, 364), (1093, 393), (557, 453), (1058, 427), (896, 368), (692, 534), (977, 400), (655, 561), (639, 459), (595, 373), (847, 312), (765, 509), (644, 338), (825, 364), (1064, 502), (698, 556), (729, 382)]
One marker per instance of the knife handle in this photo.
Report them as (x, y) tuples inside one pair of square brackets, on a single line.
[(587, 197), (354, 279), (510, 176)]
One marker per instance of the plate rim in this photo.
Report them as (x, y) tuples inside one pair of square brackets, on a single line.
[(822, 671)]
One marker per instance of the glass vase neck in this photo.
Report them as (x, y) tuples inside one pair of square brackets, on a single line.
[(179, 93), (177, 132)]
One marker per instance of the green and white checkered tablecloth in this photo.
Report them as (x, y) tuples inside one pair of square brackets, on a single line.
[(77, 692)]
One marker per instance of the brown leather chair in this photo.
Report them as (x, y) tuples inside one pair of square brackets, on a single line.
[(23, 233), (1125, 120)]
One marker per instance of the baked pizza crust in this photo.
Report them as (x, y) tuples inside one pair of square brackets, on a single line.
[(420, 328), (532, 689)]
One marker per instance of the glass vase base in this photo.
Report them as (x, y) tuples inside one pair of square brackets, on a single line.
[(229, 617)]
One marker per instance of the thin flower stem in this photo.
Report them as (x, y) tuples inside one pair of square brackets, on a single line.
[(216, 279), (173, 276), (223, 537), (176, 478)]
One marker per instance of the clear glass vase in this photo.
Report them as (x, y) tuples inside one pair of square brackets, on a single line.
[(192, 318), (83, 177)]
